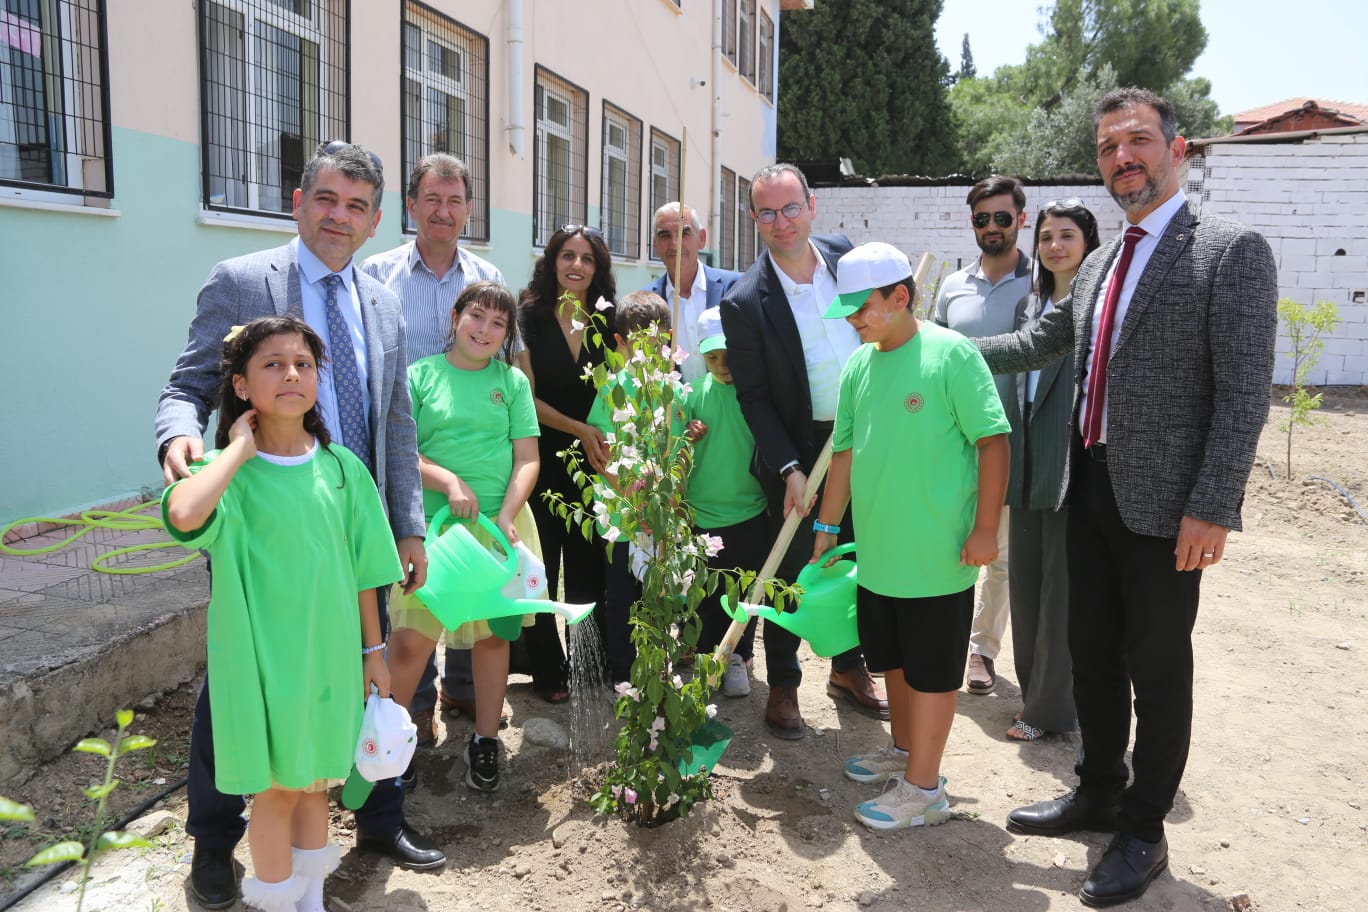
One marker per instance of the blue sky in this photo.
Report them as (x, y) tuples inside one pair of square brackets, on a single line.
[(1244, 58)]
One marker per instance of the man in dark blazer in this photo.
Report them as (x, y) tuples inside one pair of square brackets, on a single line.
[(786, 364), (700, 287), (1165, 433), (337, 208)]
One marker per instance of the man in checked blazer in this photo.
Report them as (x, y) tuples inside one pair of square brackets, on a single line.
[(337, 208), (1153, 494)]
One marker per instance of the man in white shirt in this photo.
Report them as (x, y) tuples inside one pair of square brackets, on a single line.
[(700, 287), (981, 300), (786, 365)]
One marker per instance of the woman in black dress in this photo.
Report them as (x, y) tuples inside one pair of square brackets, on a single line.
[(560, 342)]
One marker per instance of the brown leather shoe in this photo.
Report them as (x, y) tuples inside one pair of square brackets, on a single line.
[(859, 688), (782, 717), (454, 705), (427, 727)]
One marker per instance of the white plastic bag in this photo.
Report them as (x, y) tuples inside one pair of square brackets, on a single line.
[(388, 739)]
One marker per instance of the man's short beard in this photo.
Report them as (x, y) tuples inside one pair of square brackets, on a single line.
[(993, 248), (1139, 199)]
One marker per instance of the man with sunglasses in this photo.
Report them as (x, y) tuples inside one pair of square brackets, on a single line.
[(981, 300), (786, 365), (314, 277)]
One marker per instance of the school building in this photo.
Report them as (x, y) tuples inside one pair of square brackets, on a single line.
[(142, 142)]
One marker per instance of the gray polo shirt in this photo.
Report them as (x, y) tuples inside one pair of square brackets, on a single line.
[(972, 306)]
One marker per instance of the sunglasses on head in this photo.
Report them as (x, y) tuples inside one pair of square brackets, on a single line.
[(1002, 218), (337, 145), (1072, 202), (586, 230), (766, 216)]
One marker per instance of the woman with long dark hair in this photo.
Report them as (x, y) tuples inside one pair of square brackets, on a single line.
[(573, 275), (1065, 233)]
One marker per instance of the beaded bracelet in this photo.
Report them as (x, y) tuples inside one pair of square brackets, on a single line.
[(367, 650)]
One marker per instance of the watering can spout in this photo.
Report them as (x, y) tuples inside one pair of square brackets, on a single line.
[(572, 614)]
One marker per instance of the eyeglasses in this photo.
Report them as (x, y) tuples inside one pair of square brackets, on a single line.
[(1072, 202), (588, 231), (1001, 218), (337, 145), (766, 216)]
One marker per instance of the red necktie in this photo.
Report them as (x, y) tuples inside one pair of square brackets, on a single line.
[(1097, 376)]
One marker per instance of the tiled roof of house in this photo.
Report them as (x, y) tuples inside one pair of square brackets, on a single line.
[(1257, 115)]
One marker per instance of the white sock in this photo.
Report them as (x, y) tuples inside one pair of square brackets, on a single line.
[(312, 866), (272, 897)]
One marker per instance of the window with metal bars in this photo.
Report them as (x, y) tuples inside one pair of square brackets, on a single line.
[(745, 227), (765, 56), (729, 30), (445, 98), (620, 201), (664, 172), (54, 96), (274, 85), (726, 221), (560, 165), (745, 40)]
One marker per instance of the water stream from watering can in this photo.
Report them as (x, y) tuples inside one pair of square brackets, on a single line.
[(591, 699)]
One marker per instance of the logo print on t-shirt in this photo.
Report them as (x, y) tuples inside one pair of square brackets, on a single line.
[(496, 397), (914, 402)]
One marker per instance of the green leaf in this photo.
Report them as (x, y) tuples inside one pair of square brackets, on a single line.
[(119, 839), (61, 852), (93, 746), (125, 717), (96, 792), (13, 810), (135, 743)]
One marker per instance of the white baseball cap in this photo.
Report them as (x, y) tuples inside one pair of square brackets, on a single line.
[(710, 331), (863, 269)]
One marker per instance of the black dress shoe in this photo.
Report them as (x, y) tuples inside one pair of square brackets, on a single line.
[(1125, 870), (405, 846), (1068, 814), (213, 882)]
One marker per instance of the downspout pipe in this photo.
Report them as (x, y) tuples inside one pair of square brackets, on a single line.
[(515, 126), (715, 81)]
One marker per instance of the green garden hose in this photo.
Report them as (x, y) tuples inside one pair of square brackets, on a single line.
[(90, 520)]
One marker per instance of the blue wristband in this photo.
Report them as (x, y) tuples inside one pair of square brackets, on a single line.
[(368, 650), (819, 526)]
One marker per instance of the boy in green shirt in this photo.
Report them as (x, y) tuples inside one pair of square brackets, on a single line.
[(635, 312), (727, 500), (920, 450)]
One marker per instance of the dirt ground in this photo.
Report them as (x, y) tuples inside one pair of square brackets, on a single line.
[(1272, 805)]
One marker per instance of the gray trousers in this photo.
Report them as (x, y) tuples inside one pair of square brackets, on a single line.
[(1039, 585)]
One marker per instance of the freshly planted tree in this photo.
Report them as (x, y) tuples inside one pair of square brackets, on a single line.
[(1306, 331)]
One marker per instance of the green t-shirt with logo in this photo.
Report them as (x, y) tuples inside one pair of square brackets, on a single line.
[(467, 422), (722, 490), (911, 418)]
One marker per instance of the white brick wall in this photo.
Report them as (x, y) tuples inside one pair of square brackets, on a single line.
[(1310, 200)]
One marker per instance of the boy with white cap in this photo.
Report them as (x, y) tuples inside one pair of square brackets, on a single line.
[(727, 500), (920, 447)]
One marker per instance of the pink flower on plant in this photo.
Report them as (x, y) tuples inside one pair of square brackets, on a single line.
[(629, 795), (617, 791), (602, 304), (712, 544)]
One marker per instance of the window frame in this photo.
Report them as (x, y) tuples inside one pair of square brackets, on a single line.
[(333, 89), (672, 168), (729, 13), (747, 237), (475, 72), (84, 120), (631, 158), (578, 208), (745, 39), (726, 223), (764, 56)]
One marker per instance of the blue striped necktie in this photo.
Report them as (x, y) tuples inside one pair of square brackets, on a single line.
[(351, 406)]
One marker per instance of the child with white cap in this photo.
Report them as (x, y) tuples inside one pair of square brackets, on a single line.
[(920, 450), (727, 500)]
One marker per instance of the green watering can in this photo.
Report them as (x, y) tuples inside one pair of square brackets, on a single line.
[(468, 582), (825, 613)]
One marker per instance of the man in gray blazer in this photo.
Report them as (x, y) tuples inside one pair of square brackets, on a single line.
[(1173, 332), (337, 208)]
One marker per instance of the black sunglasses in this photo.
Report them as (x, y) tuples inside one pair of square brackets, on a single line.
[(766, 216), (586, 230), (337, 145), (1003, 219)]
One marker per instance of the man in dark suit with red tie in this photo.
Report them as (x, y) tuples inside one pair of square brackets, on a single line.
[(1173, 327)]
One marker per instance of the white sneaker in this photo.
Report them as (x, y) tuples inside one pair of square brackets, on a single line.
[(736, 680), (878, 766), (904, 805)]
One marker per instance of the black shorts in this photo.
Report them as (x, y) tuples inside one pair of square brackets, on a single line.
[(928, 638)]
